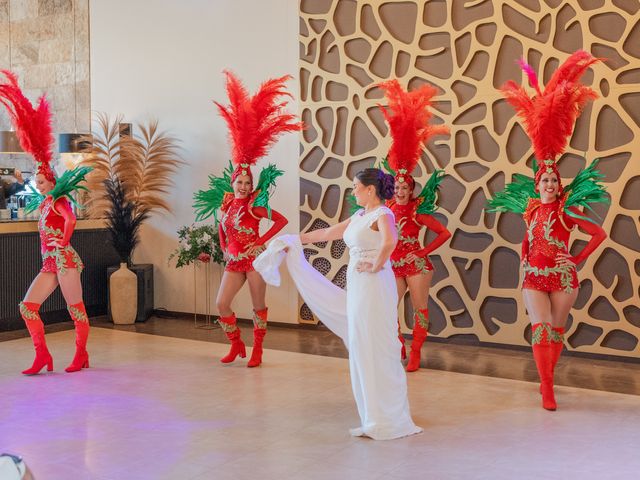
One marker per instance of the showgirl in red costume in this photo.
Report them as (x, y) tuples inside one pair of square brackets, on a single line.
[(254, 125), (550, 285), (408, 117), (61, 265)]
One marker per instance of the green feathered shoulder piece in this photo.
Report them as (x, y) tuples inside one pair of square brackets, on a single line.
[(427, 197), (266, 184), (585, 190), (208, 202), (515, 196), (385, 164), (68, 183)]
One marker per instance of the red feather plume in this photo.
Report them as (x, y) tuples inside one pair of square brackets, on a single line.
[(255, 123), (549, 116), (408, 116), (33, 126)]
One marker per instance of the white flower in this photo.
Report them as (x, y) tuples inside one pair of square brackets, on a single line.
[(206, 238)]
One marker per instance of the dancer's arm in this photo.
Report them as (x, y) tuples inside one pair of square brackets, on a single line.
[(325, 234), (223, 238), (279, 222), (525, 248), (598, 235), (432, 224), (63, 208)]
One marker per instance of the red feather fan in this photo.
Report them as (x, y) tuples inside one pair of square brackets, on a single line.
[(408, 116), (33, 126), (549, 116), (255, 123)]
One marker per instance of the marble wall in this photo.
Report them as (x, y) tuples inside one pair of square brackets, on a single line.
[(46, 43)]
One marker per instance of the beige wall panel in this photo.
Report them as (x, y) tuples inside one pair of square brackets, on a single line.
[(468, 49)]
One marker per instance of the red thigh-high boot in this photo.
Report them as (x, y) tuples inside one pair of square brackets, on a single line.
[(420, 326), (229, 326), (403, 349), (557, 342), (259, 331), (29, 312), (543, 355), (81, 321)]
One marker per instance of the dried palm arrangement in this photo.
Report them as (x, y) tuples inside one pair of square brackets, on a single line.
[(131, 177)]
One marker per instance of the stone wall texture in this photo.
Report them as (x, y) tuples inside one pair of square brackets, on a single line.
[(46, 43)]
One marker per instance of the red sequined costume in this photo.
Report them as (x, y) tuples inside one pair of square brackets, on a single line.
[(548, 232), (549, 117), (255, 122), (410, 127), (409, 224), (239, 229), (57, 223)]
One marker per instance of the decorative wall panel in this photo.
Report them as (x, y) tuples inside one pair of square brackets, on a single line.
[(467, 49)]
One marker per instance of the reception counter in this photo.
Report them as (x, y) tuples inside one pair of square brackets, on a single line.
[(20, 262)]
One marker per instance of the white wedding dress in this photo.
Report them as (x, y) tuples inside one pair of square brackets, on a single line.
[(369, 328)]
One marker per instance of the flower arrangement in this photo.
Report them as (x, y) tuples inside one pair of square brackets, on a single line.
[(197, 243)]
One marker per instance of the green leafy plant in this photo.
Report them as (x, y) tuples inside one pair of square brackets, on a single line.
[(197, 243)]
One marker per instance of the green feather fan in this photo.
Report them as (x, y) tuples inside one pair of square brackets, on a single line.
[(586, 189), (515, 196), (429, 193), (266, 182), (208, 202), (68, 183), (385, 164)]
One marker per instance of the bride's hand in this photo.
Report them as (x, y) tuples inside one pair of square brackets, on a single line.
[(364, 267)]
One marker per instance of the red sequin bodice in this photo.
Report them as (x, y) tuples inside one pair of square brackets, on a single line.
[(240, 227), (51, 224)]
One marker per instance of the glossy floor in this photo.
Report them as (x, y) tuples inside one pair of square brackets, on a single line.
[(158, 407)]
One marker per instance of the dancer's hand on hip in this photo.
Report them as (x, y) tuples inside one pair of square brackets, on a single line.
[(564, 259)]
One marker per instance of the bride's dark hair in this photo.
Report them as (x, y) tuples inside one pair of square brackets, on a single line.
[(383, 182)]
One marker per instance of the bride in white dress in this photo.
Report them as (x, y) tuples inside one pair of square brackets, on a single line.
[(377, 376)]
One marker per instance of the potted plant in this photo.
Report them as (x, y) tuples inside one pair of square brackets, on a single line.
[(129, 182)]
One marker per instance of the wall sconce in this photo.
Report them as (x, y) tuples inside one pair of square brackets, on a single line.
[(74, 142)]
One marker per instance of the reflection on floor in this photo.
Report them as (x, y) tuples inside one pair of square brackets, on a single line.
[(158, 407)]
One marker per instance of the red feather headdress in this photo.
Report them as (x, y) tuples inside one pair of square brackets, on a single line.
[(550, 115), (255, 123), (408, 116), (33, 126)]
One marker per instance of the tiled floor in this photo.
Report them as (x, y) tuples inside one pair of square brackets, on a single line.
[(158, 407)]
